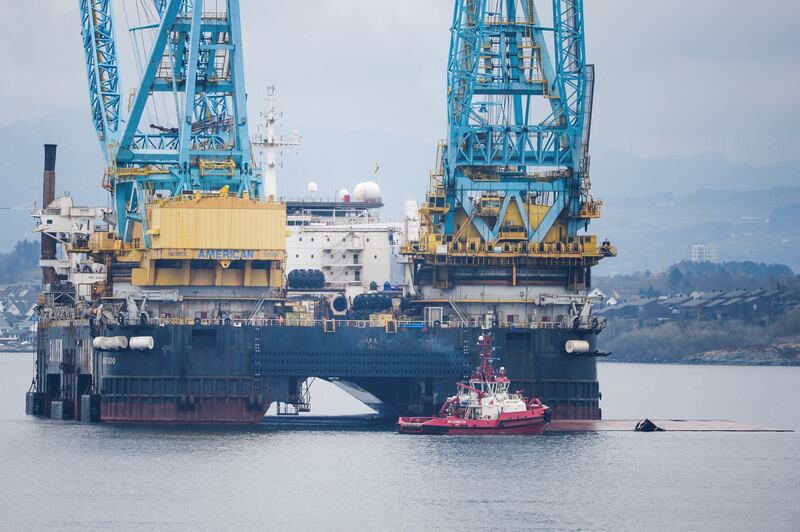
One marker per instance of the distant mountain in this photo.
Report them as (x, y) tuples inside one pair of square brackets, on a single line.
[(654, 207), (337, 159), (654, 231), (618, 174), (333, 158), (79, 167)]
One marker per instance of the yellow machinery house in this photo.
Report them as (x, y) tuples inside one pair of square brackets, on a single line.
[(213, 240)]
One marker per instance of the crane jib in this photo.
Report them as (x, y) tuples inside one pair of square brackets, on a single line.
[(187, 127)]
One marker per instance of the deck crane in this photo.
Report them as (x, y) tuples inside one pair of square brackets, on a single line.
[(499, 66), (512, 186), (196, 56)]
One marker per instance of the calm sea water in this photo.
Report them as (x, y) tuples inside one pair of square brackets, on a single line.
[(70, 476)]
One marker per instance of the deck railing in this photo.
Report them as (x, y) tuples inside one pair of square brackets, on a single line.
[(66, 314), (332, 325)]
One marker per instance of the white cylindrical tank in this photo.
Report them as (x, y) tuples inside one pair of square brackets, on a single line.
[(411, 220), (142, 343), (115, 343), (577, 346), (411, 209), (110, 343), (367, 191)]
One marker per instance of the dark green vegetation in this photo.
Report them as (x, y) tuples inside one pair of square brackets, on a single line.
[(690, 277), (721, 341), (20, 264), (731, 313)]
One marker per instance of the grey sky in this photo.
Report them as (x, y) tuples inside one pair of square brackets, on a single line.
[(675, 77)]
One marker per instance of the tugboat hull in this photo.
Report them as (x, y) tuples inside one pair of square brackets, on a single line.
[(523, 425)]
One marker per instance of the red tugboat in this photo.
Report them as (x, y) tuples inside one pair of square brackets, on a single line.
[(483, 405)]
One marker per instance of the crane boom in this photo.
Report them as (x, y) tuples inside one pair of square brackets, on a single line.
[(99, 46), (512, 110), (511, 189), (196, 57)]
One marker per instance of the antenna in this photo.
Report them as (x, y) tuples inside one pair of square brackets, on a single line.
[(267, 144)]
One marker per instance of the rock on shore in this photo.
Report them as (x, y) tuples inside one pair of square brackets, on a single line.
[(783, 351)]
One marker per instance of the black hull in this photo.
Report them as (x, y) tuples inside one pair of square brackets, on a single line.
[(231, 374)]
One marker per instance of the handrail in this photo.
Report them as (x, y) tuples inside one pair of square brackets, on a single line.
[(72, 314), (339, 323)]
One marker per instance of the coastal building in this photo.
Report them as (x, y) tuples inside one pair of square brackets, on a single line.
[(752, 306), (703, 253), (18, 323)]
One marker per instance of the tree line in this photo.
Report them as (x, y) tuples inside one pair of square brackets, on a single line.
[(687, 277), (20, 264)]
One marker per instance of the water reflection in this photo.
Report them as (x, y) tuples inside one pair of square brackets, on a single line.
[(81, 477)]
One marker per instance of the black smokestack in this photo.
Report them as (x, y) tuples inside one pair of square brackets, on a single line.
[(48, 195), (50, 158)]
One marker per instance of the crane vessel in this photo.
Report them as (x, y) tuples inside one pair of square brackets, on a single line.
[(175, 304)]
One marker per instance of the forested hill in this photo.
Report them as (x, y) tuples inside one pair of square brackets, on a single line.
[(728, 313), (687, 277), (21, 264)]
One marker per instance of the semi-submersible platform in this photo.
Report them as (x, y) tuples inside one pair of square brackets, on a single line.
[(172, 305)]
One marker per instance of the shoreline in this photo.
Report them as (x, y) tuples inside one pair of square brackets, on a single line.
[(780, 351), (784, 364)]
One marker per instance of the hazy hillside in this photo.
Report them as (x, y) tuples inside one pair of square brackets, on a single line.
[(79, 168), (654, 207), (654, 231), (337, 159), (616, 173)]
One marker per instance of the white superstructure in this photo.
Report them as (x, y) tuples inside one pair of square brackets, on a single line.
[(345, 240), (72, 226)]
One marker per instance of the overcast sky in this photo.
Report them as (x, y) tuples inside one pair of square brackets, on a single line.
[(674, 77)]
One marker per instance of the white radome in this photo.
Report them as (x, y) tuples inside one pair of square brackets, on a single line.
[(312, 187), (367, 191), (343, 194)]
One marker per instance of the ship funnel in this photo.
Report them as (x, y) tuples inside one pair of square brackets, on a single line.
[(48, 195)]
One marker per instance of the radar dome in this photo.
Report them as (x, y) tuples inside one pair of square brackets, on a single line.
[(367, 191), (312, 186), (343, 193)]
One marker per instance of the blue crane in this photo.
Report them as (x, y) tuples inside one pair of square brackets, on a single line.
[(518, 120), (100, 48), (196, 57)]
